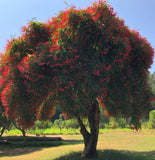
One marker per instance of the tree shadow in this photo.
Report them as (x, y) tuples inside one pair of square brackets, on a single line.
[(72, 142), (19, 147), (148, 154), (112, 155), (16, 148), (10, 152)]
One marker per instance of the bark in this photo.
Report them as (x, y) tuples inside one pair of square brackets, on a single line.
[(24, 134), (3, 129), (91, 139), (84, 132)]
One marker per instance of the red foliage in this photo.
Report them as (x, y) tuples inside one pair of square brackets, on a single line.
[(77, 56)]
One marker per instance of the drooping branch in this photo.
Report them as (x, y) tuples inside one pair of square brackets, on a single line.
[(20, 128), (2, 131), (83, 131)]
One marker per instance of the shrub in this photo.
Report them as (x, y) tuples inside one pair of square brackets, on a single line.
[(151, 123), (118, 123), (104, 120), (42, 124), (71, 123)]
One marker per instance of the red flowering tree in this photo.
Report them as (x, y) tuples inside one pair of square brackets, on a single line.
[(77, 61)]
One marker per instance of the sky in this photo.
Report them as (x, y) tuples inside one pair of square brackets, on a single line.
[(137, 14)]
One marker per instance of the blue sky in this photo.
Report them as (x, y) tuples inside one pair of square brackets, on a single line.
[(138, 15)]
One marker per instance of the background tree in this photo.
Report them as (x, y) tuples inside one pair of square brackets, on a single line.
[(7, 124), (56, 115), (152, 84), (4, 121), (76, 61), (151, 121), (152, 81)]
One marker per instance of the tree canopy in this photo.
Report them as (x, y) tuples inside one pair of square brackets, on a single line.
[(73, 59)]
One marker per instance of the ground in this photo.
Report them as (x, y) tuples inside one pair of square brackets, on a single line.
[(118, 143)]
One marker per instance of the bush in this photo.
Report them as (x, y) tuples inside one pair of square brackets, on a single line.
[(59, 123), (118, 123), (42, 124), (151, 123), (104, 120), (71, 123), (122, 123)]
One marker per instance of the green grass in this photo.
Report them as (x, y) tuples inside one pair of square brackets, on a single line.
[(55, 130), (107, 155), (111, 146), (45, 131)]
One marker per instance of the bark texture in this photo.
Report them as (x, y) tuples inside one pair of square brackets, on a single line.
[(91, 139), (3, 129)]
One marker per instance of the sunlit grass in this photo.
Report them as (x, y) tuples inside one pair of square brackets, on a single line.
[(55, 130)]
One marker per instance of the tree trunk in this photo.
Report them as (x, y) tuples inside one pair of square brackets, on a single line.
[(3, 129), (24, 134), (21, 129), (91, 139)]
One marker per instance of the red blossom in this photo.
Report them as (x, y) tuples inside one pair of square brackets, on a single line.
[(79, 54), (41, 63), (97, 73), (107, 68)]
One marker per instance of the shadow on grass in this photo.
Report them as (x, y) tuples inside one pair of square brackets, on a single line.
[(15, 148), (112, 155), (72, 142)]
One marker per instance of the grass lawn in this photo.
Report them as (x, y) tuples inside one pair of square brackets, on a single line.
[(111, 146)]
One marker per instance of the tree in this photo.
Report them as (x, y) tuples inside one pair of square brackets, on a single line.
[(152, 119), (152, 84), (56, 115), (4, 122), (152, 81), (76, 61)]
